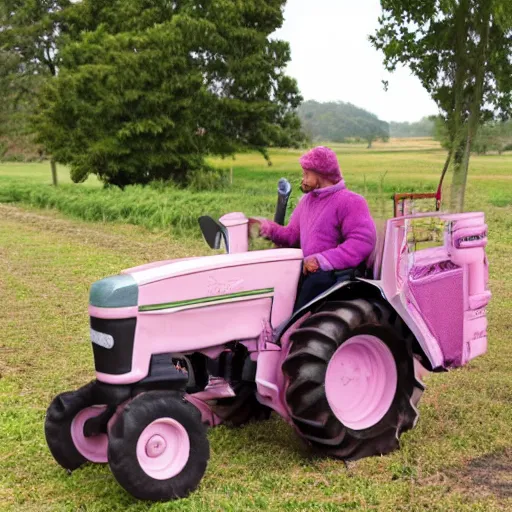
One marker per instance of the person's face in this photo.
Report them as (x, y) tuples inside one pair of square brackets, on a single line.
[(310, 181)]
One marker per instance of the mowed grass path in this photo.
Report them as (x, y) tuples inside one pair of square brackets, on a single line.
[(458, 458)]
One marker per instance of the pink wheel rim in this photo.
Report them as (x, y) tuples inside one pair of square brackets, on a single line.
[(163, 448), (92, 448), (361, 381)]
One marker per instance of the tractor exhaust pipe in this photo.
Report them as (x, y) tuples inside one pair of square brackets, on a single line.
[(284, 189)]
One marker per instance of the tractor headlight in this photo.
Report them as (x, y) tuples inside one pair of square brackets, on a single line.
[(102, 339)]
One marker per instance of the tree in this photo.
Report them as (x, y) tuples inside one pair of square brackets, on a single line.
[(441, 132), (28, 58), (146, 90), (422, 128), (493, 136), (373, 129), (460, 50)]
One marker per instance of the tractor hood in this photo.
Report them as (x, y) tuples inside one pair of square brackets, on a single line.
[(168, 287), (164, 270)]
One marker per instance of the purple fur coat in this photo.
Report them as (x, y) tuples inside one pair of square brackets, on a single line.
[(332, 224)]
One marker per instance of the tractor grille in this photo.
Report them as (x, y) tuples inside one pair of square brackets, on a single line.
[(112, 344)]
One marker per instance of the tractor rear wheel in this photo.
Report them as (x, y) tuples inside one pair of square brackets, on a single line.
[(350, 383)]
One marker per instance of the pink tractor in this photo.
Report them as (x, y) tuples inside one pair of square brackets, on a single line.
[(181, 344)]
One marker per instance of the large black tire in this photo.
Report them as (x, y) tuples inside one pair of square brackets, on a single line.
[(57, 425), (311, 347), (128, 427), (242, 408)]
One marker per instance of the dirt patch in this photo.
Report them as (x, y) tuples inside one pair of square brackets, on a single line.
[(492, 471), (489, 474)]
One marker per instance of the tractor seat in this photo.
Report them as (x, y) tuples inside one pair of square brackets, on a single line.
[(350, 274), (374, 261)]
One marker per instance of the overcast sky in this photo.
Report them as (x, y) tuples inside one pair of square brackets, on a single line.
[(332, 59)]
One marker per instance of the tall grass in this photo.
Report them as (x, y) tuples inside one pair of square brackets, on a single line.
[(253, 191), (375, 174), (164, 208), (154, 209)]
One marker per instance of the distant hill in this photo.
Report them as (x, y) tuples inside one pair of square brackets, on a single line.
[(422, 128), (338, 121)]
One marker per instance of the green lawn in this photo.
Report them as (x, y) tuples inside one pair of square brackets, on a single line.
[(457, 458)]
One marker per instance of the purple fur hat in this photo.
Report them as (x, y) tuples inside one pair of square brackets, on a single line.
[(323, 161)]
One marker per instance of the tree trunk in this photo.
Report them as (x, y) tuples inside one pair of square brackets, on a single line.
[(458, 174), (459, 177), (54, 172), (457, 125), (476, 105), (443, 174)]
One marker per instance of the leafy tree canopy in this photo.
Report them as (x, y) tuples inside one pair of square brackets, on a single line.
[(28, 57), (145, 89), (460, 50)]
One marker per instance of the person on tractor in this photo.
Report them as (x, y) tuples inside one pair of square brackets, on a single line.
[(331, 224)]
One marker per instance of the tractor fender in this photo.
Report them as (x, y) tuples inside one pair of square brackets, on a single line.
[(359, 288)]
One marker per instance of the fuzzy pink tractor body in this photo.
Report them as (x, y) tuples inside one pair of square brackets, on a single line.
[(181, 344)]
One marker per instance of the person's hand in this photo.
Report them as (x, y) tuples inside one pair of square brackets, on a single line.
[(310, 265), (254, 227)]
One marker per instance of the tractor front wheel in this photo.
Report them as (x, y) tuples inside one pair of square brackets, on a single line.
[(158, 449), (64, 428)]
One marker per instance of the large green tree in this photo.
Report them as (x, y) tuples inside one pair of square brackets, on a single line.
[(147, 88), (460, 50)]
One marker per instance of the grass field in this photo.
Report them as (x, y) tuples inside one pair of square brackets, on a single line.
[(412, 165), (458, 458)]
